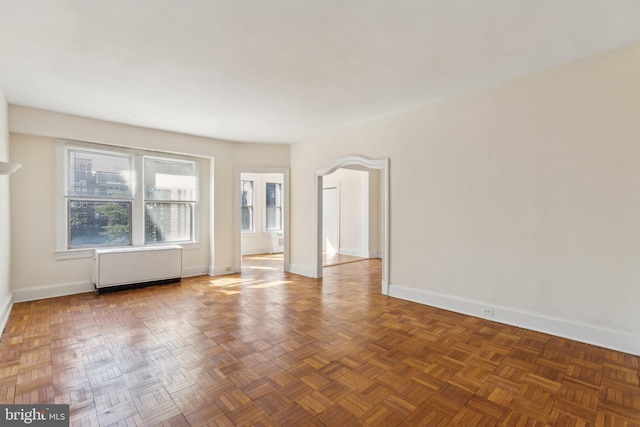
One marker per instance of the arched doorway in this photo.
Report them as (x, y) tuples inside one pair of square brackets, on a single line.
[(376, 164)]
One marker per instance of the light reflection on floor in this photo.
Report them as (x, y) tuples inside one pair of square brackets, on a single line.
[(255, 274), (263, 271), (256, 267), (230, 281), (269, 262)]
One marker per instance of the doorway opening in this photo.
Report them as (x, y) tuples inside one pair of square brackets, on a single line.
[(330, 221), (350, 215), (367, 235), (261, 220)]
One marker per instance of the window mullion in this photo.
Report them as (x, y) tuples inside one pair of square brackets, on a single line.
[(137, 220)]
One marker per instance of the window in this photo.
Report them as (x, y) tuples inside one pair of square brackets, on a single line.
[(170, 196), (274, 206), (247, 205), (123, 197), (98, 199)]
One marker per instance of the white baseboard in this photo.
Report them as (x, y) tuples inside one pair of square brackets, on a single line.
[(577, 331), (195, 271), (5, 310), (301, 270), (221, 270), (354, 252), (32, 294), (60, 290)]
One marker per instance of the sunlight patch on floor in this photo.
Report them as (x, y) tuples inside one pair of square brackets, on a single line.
[(255, 267), (267, 257), (232, 281), (251, 283)]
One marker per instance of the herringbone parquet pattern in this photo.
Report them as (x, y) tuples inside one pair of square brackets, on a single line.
[(269, 348)]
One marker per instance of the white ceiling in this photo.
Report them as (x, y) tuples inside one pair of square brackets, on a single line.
[(284, 70)]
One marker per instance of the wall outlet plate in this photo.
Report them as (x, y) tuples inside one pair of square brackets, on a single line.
[(486, 311)]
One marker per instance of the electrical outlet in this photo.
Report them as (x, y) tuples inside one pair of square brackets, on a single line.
[(486, 311), (228, 269)]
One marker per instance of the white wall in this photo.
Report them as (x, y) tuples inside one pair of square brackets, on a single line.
[(521, 197), (354, 210), (5, 227), (35, 270)]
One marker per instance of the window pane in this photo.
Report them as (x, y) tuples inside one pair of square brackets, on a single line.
[(168, 222), (247, 218), (273, 193), (247, 193), (169, 179), (273, 202), (99, 223), (274, 218), (247, 205), (92, 174)]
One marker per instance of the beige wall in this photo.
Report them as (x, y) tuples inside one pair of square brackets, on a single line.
[(522, 196), (33, 142), (261, 155), (5, 230)]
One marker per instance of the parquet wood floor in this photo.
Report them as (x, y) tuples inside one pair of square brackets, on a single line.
[(269, 348), (331, 259)]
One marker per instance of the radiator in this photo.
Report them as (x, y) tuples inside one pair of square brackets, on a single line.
[(276, 242), (132, 267)]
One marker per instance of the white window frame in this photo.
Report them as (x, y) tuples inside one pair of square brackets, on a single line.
[(138, 203), (192, 203), (266, 181)]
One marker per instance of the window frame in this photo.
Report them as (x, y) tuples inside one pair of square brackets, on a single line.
[(191, 203), (268, 181), (63, 249), (88, 198)]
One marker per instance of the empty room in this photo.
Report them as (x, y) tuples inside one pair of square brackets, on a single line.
[(417, 213)]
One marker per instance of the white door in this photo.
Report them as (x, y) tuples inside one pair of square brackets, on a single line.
[(330, 220)]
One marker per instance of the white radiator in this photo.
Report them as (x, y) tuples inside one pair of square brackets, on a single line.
[(276, 242), (126, 267)]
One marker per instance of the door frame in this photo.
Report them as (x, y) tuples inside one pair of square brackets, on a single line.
[(378, 164)]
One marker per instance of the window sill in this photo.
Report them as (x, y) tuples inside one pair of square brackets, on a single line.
[(89, 253), (73, 254)]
